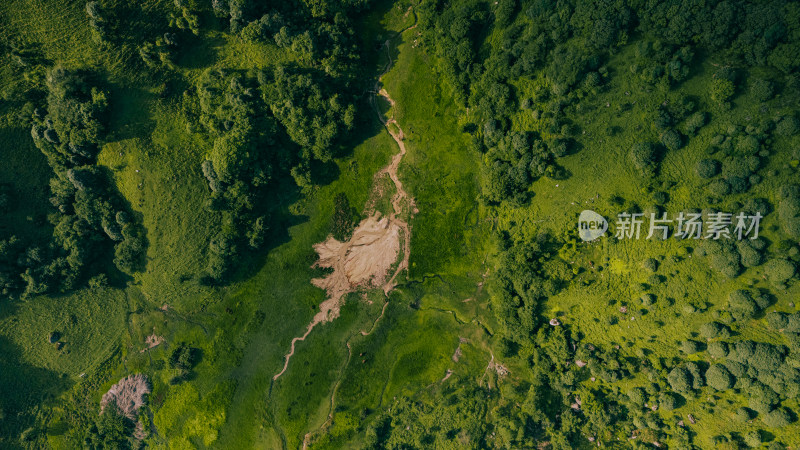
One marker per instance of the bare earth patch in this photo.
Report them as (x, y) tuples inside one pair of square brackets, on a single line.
[(127, 396), (366, 259)]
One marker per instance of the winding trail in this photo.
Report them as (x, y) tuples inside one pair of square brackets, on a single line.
[(364, 260)]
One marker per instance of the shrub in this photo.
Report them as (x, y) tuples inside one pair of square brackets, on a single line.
[(650, 264), (695, 122), (749, 255), (722, 89), (694, 369), (648, 299), (643, 155), (744, 414), (689, 346), (719, 188), (637, 396), (672, 140), (747, 145), (762, 398), (753, 438)]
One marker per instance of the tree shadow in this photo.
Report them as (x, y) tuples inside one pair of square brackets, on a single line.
[(285, 193), (23, 388)]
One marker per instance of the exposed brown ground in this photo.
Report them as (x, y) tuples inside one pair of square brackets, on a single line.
[(366, 259), (127, 395)]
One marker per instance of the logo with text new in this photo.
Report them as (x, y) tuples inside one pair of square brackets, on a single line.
[(591, 225)]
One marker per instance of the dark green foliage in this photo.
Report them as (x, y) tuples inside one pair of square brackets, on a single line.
[(707, 168), (644, 157), (719, 188), (672, 140), (762, 356), (650, 264), (110, 430), (789, 209), (722, 256), (762, 90), (69, 135), (777, 320), (695, 122), (183, 358), (344, 217), (749, 254), (504, 12), (788, 126), (314, 114)]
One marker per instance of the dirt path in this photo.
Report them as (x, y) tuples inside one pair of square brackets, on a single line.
[(366, 259)]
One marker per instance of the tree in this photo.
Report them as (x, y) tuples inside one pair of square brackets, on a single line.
[(344, 217), (741, 304), (718, 349), (719, 378), (779, 272), (110, 430), (680, 380), (667, 401), (761, 89), (637, 396), (777, 320), (789, 209), (787, 126), (672, 140), (707, 168), (777, 418), (713, 330), (690, 347), (762, 398)]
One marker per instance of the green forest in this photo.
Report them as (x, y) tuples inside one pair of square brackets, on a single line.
[(363, 224)]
